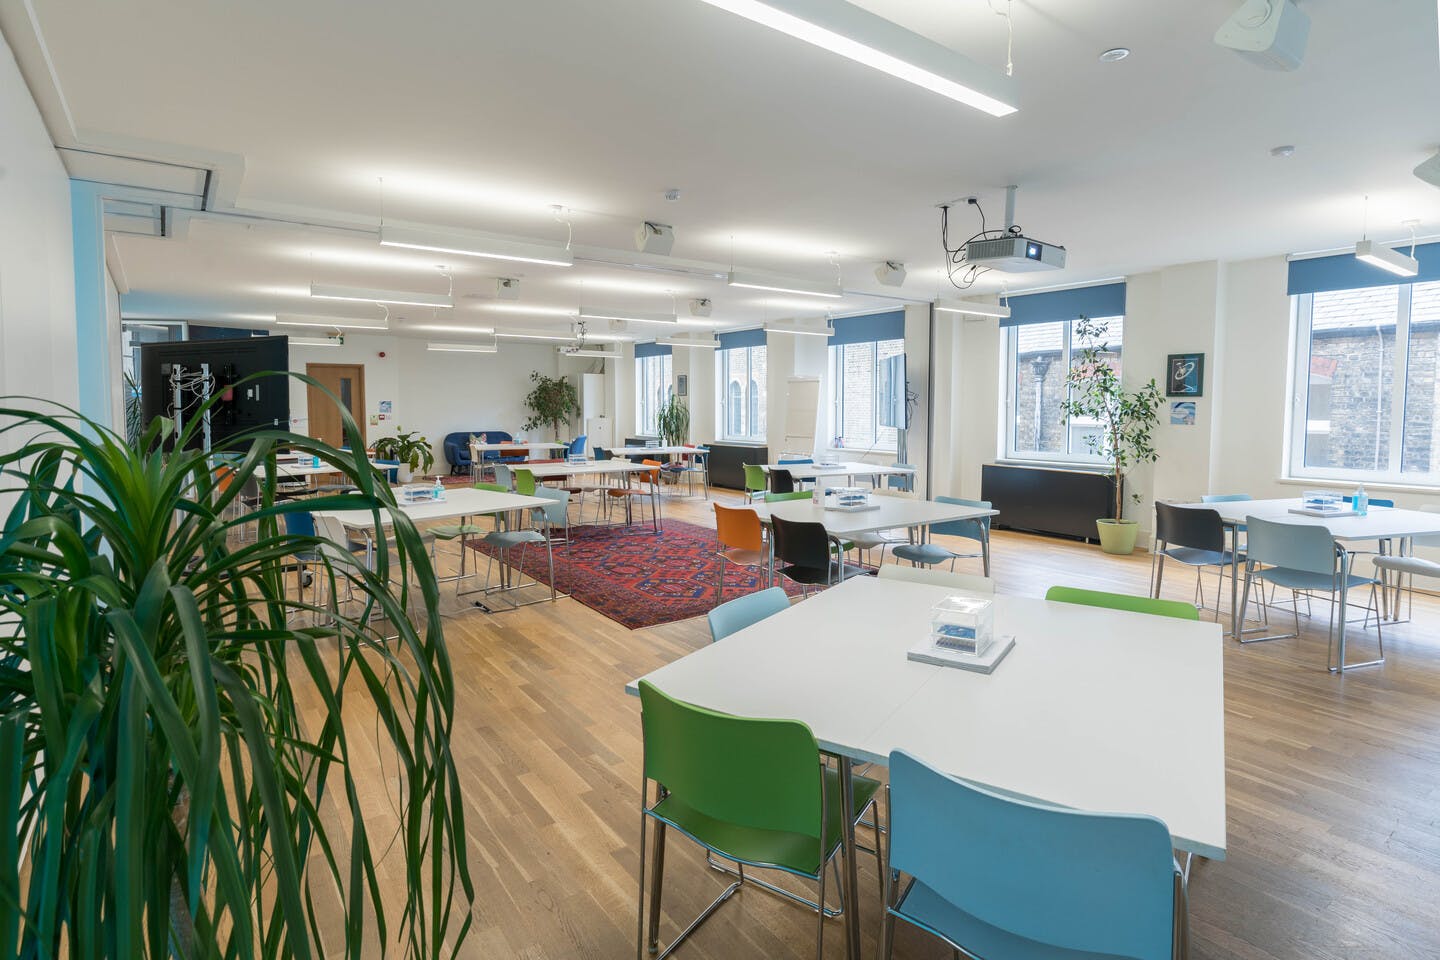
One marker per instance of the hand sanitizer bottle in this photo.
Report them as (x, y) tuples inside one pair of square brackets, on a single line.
[(439, 488), (1362, 501)]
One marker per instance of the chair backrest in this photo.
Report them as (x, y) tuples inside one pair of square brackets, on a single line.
[(801, 543), (1295, 546), (1225, 497), (744, 611), (974, 529), (603, 454), (577, 446), (739, 528), (1196, 527), (786, 460), (901, 481), (492, 487), (1091, 882), (524, 482), (1379, 502), (555, 512), (1124, 601), (300, 524), (651, 476), (781, 481), (792, 495), (504, 477), (754, 476), (392, 475), (968, 582), (763, 774)]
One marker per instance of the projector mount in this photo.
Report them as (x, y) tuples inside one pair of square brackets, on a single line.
[(956, 258)]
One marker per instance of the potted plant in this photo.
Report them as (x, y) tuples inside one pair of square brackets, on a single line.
[(1126, 420), (185, 769), (411, 449), (552, 402), (673, 422)]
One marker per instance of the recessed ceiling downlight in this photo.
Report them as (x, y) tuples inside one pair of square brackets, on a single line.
[(1114, 54)]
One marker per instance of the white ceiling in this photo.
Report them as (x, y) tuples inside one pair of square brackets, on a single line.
[(483, 114)]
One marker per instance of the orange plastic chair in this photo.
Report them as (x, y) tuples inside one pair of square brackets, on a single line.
[(630, 494), (740, 539)]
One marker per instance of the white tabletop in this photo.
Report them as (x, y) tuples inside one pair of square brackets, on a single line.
[(890, 513), (546, 471), (1381, 523), (1094, 709), (842, 468), (649, 451), (519, 444), (458, 502)]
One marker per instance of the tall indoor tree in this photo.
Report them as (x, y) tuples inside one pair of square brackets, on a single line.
[(178, 748)]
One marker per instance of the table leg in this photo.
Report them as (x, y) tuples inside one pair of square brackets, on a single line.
[(1236, 624), (851, 879), (1339, 665)]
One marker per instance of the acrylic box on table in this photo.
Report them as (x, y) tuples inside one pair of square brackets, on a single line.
[(963, 624)]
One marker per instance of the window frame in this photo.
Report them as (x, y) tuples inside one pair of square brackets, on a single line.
[(1298, 423), (749, 393), (834, 358), (645, 420), (1084, 456)]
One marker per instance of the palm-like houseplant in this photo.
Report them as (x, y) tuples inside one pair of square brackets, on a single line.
[(552, 402), (176, 774), (1126, 421), (673, 421)]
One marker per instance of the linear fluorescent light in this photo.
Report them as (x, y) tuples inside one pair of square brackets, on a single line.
[(682, 342), (341, 323), (1378, 255), (597, 354), (314, 342), (800, 331), (972, 308), (463, 347), (888, 47), (468, 244), (449, 328), (327, 291), (610, 313), (752, 281)]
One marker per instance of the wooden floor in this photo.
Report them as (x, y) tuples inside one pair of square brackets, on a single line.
[(1333, 786)]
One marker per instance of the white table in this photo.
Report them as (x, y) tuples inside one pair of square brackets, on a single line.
[(890, 513), (535, 448), (673, 451), (613, 468), (847, 469), (1381, 523), (459, 503), (1094, 709)]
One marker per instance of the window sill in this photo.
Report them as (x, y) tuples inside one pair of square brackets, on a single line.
[(1352, 484), (1054, 465)]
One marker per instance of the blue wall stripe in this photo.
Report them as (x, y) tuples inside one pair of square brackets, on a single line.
[(1344, 272), (869, 328), (1105, 300), (651, 350), (741, 338)]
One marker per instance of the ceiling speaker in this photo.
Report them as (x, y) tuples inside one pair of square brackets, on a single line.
[(656, 238), (507, 288)]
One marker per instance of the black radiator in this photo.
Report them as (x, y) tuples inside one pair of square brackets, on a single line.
[(1048, 500)]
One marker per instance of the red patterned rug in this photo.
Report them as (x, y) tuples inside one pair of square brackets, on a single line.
[(639, 578)]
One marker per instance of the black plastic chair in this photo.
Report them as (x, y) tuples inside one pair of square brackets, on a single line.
[(809, 554), (1195, 537)]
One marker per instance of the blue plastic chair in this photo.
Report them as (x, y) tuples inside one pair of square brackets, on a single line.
[(577, 446), (392, 474), (1302, 558), (301, 524), (996, 877), (932, 553), (746, 611), (901, 481)]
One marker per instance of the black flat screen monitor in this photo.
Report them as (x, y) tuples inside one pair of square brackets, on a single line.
[(166, 367)]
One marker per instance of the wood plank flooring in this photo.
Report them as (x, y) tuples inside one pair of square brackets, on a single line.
[(1333, 786)]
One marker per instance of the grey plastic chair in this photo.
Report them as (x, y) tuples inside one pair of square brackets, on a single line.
[(928, 554)]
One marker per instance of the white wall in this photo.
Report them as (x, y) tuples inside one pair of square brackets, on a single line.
[(37, 282)]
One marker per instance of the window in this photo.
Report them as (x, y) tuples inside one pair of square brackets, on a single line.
[(1038, 357), (742, 394), (653, 386), (1365, 385), (867, 385)]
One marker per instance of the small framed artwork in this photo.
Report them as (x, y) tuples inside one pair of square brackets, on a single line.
[(1185, 375), (1182, 413), (682, 385)]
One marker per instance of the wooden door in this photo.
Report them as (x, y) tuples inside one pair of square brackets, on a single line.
[(344, 380)]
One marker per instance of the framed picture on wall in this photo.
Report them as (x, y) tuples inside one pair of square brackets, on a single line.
[(682, 385), (1185, 375)]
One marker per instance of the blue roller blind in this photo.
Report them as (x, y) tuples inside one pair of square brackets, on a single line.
[(741, 338), (1103, 300), (1344, 272), (651, 350), (869, 328)]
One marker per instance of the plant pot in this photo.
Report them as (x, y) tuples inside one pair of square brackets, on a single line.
[(404, 474), (1118, 536)]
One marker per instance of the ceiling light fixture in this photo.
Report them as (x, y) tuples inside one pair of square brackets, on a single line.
[(468, 244), (751, 281), (581, 352), (1378, 255), (555, 337), (972, 308), (826, 331), (1114, 54), (887, 47), (340, 323), (463, 347), (316, 341), (609, 313), (330, 291), (451, 328), (682, 342)]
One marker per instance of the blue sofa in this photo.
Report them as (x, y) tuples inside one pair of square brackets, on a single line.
[(457, 448)]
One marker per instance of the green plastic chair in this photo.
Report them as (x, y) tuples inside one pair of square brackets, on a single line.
[(793, 495), (749, 790), (1124, 601), (754, 480), (524, 482)]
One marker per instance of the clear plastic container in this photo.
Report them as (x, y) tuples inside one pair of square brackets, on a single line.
[(1327, 500), (963, 624)]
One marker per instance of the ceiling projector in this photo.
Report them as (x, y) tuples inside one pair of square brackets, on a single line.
[(1015, 254), (1269, 33)]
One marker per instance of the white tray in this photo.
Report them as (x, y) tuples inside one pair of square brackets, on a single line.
[(1301, 511), (859, 509), (926, 651)]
